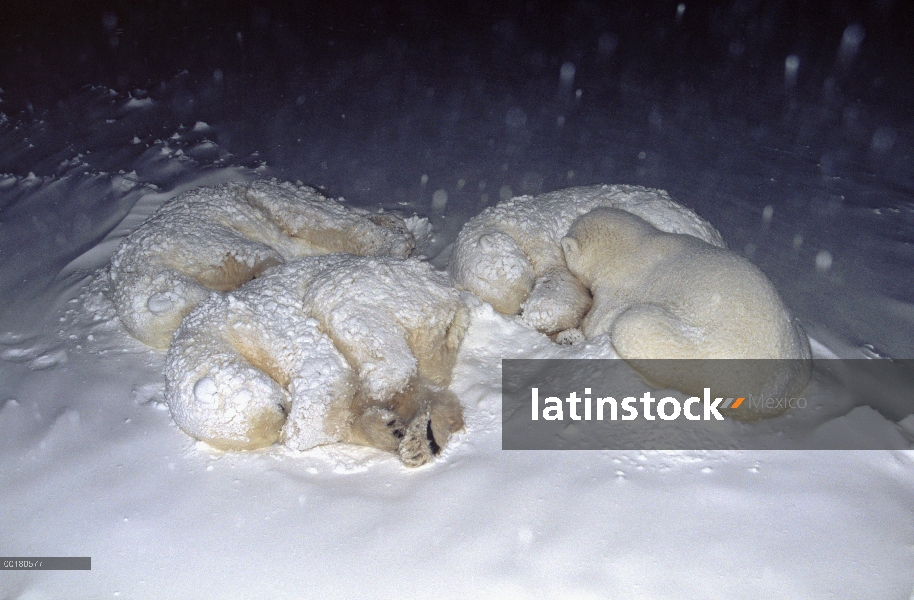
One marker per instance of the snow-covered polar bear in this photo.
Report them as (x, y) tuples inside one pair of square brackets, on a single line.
[(670, 296), (217, 238), (323, 349), (510, 254)]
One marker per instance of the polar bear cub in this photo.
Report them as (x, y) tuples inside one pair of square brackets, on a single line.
[(324, 349), (670, 296)]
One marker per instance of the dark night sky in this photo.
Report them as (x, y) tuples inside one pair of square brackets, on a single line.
[(49, 49)]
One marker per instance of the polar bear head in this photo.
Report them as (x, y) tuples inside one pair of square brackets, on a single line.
[(603, 241)]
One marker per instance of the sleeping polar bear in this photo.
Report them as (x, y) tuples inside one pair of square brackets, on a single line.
[(217, 238), (323, 349), (510, 255), (669, 296)]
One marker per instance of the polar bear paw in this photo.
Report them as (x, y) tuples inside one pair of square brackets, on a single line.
[(418, 445), (569, 337), (430, 429), (557, 303), (379, 428)]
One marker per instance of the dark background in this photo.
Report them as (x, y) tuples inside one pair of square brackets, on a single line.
[(415, 75), (51, 48)]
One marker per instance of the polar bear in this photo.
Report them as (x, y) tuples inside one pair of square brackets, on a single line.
[(319, 350), (510, 255), (671, 296), (217, 238)]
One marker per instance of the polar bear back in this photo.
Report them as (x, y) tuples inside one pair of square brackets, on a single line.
[(315, 224), (725, 297), (396, 323), (217, 238), (539, 223), (721, 299)]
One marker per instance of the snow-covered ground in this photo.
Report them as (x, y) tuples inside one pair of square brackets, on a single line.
[(791, 133)]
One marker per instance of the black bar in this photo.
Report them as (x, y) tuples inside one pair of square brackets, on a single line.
[(45, 563)]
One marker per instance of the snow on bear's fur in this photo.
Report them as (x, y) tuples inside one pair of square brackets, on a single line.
[(217, 238), (510, 254), (323, 349), (670, 296)]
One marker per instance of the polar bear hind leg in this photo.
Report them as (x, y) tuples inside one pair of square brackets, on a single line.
[(237, 383), (646, 334), (151, 302), (436, 349), (649, 331), (209, 406)]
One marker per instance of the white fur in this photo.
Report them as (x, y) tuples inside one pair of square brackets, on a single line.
[(509, 255), (670, 296), (217, 238), (323, 349)]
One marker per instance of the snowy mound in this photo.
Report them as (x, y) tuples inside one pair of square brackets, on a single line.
[(510, 254), (217, 238), (323, 349)]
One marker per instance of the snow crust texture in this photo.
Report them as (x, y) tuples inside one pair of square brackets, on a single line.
[(671, 296), (217, 238), (510, 254), (323, 349)]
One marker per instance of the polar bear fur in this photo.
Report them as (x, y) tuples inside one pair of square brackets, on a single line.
[(671, 296), (217, 238), (323, 349), (510, 254)]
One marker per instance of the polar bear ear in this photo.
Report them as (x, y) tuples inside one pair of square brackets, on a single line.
[(570, 247)]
